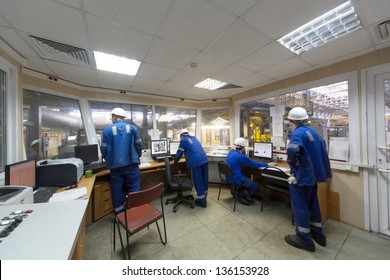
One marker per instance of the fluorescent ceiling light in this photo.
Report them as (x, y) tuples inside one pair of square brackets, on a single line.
[(210, 84), (326, 28), (116, 64)]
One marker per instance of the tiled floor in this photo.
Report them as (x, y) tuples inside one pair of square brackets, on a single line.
[(217, 233)]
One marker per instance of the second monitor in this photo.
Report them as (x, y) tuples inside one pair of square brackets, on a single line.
[(263, 150), (159, 149)]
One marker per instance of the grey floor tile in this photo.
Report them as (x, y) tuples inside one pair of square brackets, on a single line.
[(361, 245), (236, 234), (213, 212), (201, 244)]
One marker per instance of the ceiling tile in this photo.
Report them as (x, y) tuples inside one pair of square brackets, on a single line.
[(71, 3), (237, 42), (151, 71), (188, 79), (232, 73), (206, 65), (272, 54), (114, 39), (375, 11), (38, 65), (147, 83), (17, 41), (114, 80), (238, 8), (46, 19), (178, 88), (168, 54), (72, 71), (253, 80), (279, 17), (286, 68), (138, 14), (195, 24)]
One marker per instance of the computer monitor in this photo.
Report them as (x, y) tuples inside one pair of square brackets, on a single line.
[(159, 148), (173, 147), (87, 153), (22, 173), (263, 150)]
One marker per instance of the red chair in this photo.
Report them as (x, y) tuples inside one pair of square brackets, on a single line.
[(139, 214)]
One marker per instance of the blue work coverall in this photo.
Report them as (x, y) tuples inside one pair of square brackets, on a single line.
[(236, 161), (197, 162), (122, 148), (309, 164)]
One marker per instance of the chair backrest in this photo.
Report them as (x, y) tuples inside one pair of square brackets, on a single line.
[(135, 199), (224, 170), (275, 176)]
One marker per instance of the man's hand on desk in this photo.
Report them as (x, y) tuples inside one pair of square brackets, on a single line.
[(292, 180), (272, 164)]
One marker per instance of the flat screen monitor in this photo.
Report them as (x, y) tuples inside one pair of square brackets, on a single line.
[(173, 147), (22, 173), (159, 148), (87, 153), (262, 150)]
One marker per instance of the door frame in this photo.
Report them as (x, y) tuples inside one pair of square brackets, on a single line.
[(373, 220)]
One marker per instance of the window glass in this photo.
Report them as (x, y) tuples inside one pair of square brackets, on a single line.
[(138, 115), (215, 127), (256, 120), (52, 125), (2, 120), (171, 120), (327, 106)]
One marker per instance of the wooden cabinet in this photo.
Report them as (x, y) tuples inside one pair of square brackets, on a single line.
[(102, 202)]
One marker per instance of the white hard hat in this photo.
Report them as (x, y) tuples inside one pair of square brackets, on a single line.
[(119, 112), (184, 130), (240, 142), (297, 114)]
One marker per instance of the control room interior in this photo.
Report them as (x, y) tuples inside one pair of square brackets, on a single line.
[(54, 99)]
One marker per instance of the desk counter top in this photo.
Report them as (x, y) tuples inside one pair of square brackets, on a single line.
[(48, 233)]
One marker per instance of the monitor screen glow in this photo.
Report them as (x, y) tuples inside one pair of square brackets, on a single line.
[(173, 147), (262, 150), (21, 173), (159, 148)]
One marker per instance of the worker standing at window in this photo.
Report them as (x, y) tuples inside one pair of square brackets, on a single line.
[(197, 162), (122, 148), (236, 160), (309, 164)]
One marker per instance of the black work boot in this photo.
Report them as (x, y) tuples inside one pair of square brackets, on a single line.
[(295, 241), (320, 240)]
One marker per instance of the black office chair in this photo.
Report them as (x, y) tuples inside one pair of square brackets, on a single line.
[(180, 183), (224, 171), (274, 179)]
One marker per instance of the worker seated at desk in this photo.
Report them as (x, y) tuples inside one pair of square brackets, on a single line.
[(236, 159)]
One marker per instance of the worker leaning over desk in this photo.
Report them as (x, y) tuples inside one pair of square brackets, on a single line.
[(122, 148), (309, 164), (197, 162)]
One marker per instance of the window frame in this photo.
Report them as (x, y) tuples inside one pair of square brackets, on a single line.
[(353, 112)]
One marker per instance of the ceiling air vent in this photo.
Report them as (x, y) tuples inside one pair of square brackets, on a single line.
[(229, 86), (60, 52), (384, 30)]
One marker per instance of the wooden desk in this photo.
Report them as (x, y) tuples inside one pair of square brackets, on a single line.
[(322, 193)]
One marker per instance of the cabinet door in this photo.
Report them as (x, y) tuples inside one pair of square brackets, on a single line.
[(102, 203)]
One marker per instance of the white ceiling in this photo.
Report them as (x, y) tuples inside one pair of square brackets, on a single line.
[(231, 40)]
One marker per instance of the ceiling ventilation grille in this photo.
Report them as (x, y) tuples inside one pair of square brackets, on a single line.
[(58, 51), (384, 30)]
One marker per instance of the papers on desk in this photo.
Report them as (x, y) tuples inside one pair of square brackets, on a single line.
[(80, 193), (284, 169), (145, 164)]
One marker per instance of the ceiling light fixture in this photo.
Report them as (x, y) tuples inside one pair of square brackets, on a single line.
[(210, 84), (116, 64), (334, 24)]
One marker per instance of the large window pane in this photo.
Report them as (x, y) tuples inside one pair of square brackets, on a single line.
[(54, 123), (171, 120), (138, 115), (256, 120), (215, 128), (2, 121)]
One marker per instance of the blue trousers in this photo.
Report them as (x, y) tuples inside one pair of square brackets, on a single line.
[(249, 188), (306, 210), (200, 177), (129, 176)]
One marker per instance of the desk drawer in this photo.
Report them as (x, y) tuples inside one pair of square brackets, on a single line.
[(102, 203)]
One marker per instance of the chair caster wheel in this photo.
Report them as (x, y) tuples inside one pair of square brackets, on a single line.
[(192, 206), (166, 202), (174, 210)]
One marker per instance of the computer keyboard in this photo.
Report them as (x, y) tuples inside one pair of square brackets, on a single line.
[(95, 167), (43, 194)]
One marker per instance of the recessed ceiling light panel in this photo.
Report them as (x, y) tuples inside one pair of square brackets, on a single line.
[(116, 64), (211, 84), (332, 25)]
